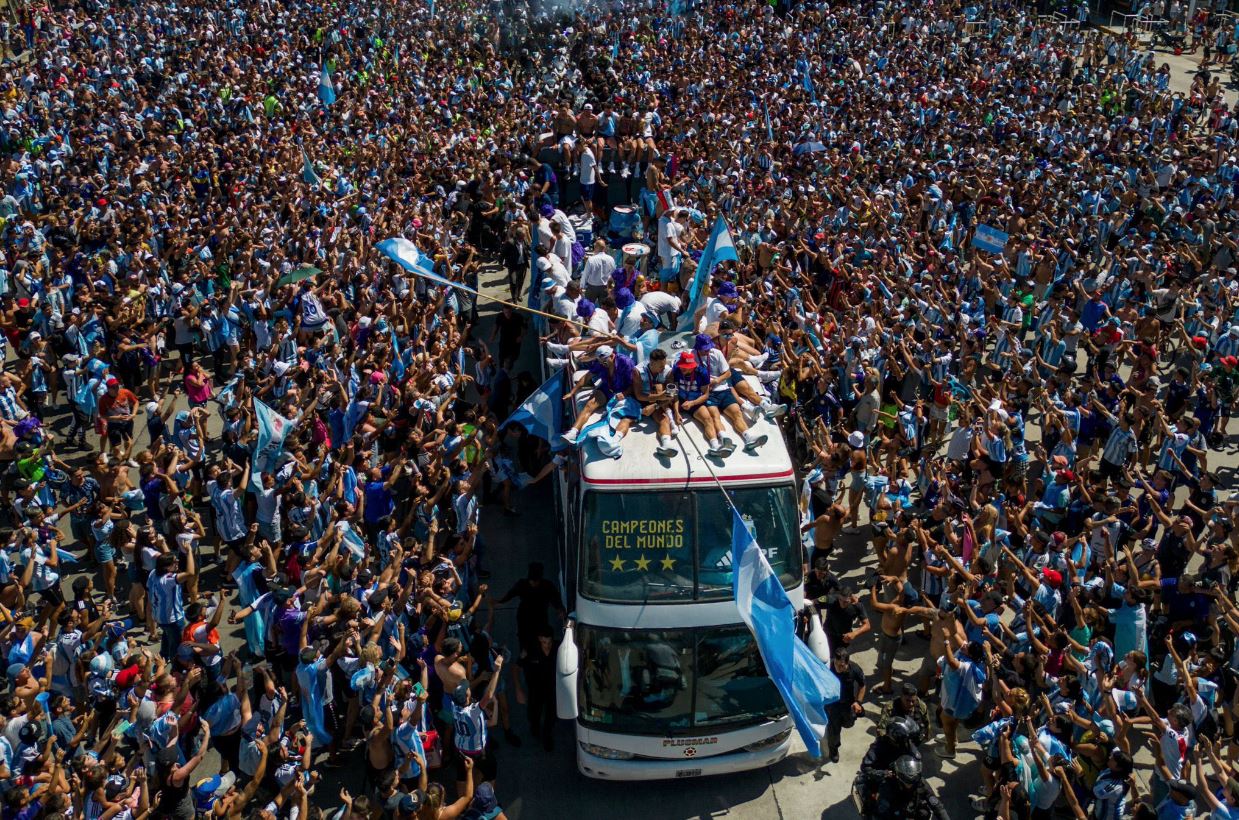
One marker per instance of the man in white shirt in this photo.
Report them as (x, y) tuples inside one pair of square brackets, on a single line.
[(564, 300), (562, 247), (596, 271), (628, 323), (661, 304), (670, 249), (587, 166), (600, 321), (549, 267)]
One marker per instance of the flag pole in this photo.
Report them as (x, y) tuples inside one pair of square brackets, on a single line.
[(478, 293)]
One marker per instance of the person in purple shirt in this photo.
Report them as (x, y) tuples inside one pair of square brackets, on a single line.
[(612, 376)]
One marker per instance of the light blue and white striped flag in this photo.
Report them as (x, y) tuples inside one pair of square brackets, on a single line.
[(720, 248), (405, 254), (326, 88), (806, 683), (542, 414), (307, 171), (272, 430)]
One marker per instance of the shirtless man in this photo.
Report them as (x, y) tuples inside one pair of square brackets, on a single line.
[(893, 616), (380, 754), (942, 624), (826, 528), (565, 137), (450, 665), (626, 135), (586, 128)]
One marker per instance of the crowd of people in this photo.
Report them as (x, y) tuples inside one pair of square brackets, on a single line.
[(985, 280)]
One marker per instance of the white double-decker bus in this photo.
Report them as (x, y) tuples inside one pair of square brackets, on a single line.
[(657, 669)]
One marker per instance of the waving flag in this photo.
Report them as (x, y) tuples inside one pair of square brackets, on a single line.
[(326, 88), (542, 414), (272, 430), (769, 129), (808, 86), (405, 254), (615, 47), (398, 366), (806, 683), (307, 171), (720, 248)]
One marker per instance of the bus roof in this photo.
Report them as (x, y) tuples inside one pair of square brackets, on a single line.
[(640, 467)]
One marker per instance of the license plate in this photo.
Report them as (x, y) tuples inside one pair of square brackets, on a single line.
[(688, 772)]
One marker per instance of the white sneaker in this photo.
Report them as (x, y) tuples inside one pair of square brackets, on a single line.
[(726, 447), (757, 441), (773, 411), (758, 361), (625, 173), (571, 436), (769, 376)]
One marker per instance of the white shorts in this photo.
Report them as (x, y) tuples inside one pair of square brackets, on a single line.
[(567, 142)]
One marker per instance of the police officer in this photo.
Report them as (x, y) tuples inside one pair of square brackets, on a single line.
[(903, 793)]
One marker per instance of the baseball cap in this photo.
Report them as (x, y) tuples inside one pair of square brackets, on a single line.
[(605, 352), (112, 382), (411, 803), (207, 790), (485, 805), (687, 360), (152, 407), (1052, 577)]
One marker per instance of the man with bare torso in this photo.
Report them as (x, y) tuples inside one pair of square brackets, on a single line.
[(565, 137), (893, 612)]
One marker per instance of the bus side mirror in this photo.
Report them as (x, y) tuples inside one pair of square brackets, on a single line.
[(567, 663)]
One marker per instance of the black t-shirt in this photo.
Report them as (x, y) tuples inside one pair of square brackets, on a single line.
[(850, 683), (539, 671), (842, 619), (815, 587), (509, 328), (535, 599)]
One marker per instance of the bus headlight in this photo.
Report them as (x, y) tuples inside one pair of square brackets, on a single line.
[(605, 752), (770, 742)]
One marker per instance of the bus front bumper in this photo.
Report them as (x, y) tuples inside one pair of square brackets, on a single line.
[(688, 766)]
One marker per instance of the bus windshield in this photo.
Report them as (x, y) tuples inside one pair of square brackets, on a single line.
[(673, 681), (676, 546)]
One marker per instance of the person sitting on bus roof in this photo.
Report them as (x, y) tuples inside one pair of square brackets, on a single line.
[(733, 352), (650, 388), (722, 394), (692, 382), (612, 376)]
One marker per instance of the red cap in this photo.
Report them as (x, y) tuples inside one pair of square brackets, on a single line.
[(1059, 537), (1200, 342), (1067, 475), (687, 360), (112, 381), (1052, 577), (1230, 361)]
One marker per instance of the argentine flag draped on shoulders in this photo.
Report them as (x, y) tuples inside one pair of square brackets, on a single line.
[(720, 248), (806, 684)]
